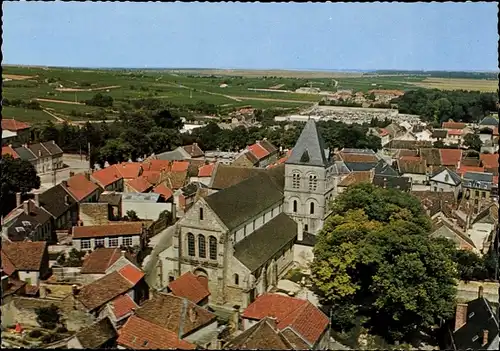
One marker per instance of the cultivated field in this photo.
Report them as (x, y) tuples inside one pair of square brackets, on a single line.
[(482, 85), (63, 91)]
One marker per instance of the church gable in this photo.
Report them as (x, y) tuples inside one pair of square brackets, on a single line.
[(201, 215)]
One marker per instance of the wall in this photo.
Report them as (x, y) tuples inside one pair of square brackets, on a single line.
[(203, 180), (146, 210), (254, 223), (447, 188), (479, 234), (74, 343), (468, 291), (242, 161), (30, 277), (417, 179), (94, 213), (136, 241)]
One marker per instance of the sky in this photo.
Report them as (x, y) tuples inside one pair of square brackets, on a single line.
[(339, 36)]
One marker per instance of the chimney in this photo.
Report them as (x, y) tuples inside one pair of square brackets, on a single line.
[(236, 317), (87, 175), (39, 153), (123, 252), (460, 316), (71, 174), (65, 183), (75, 289), (18, 199), (480, 292), (300, 232), (485, 338), (27, 207), (458, 164)]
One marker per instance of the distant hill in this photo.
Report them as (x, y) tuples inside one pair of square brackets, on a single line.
[(439, 74)]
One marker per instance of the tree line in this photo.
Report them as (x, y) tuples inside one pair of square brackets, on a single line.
[(437, 106)]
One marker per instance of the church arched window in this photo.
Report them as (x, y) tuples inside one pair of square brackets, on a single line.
[(295, 206), (313, 182), (190, 240), (202, 246), (212, 242), (311, 207), (296, 180)]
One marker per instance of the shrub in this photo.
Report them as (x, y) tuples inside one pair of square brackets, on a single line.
[(61, 330), (35, 333)]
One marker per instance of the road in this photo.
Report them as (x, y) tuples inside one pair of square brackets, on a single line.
[(159, 242), (59, 119), (75, 165)]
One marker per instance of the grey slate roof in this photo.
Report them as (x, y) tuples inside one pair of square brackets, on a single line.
[(480, 317), (260, 246), (234, 205), (439, 133), (489, 121), (53, 200), (226, 176), (479, 176), (445, 231), (382, 168), (358, 151), (25, 154), (52, 147), (310, 148), (112, 198), (39, 150), (178, 154), (360, 166)]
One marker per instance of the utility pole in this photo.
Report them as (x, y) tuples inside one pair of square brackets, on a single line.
[(88, 153)]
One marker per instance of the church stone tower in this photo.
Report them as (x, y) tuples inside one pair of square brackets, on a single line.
[(309, 181)]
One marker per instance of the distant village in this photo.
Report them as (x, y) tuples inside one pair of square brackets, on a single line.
[(195, 249)]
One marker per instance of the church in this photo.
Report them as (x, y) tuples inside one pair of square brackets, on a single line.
[(241, 240)]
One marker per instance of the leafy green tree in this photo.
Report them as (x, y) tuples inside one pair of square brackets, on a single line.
[(472, 141), (115, 151), (75, 258), (132, 216), (165, 119), (374, 258), (16, 176), (48, 317), (50, 132), (100, 100)]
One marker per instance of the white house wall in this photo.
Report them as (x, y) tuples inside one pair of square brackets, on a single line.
[(146, 210)]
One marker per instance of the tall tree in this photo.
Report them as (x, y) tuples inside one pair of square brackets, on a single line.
[(472, 141)]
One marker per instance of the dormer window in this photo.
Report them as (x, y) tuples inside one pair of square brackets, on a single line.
[(446, 177)]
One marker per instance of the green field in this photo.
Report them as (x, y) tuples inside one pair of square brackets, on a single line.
[(186, 88)]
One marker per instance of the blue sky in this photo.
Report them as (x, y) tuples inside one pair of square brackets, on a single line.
[(431, 36)]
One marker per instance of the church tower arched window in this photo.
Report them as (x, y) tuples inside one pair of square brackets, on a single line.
[(313, 182), (296, 180)]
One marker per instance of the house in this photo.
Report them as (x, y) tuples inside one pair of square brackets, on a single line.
[(111, 235), (454, 137), (490, 146), (478, 188), (178, 154), (25, 261), (138, 185), (204, 174), (453, 125), (361, 156), (8, 137), (101, 334), (187, 195), (483, 227), (113, 200), (94, 297), (301, 323), (422, 134), (120, 309), (489, 121), (260, 154), (28, 221), (490, 162), (81, 188), (61, 205), (103, 261), (22, 129), (163, 190), (407, 145), (439, 135), (8, 150), (447, 181), (129, 170), (476, 326), (194, 324), (445, 229), (413, 167), (392, 182), (109, 178), (146, 205), (450, 158), (191, 287), (382, 133), (355, 178), (45, 157), (194, 150), (140, 334)]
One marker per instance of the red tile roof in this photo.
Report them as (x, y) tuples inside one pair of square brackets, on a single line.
[(140, 334), (258, 151), (453, 125), (80, 187), (107, 176), (131, 273), (132, 228), (463, 169), (156, 165), (206, 170), (489, 160), (100, 260), (162, 189), (455, 132), (122, 306), (180, 166), (450, 157), (139, 184), (189, 287), (7, 150), (129, 170), (300, 315), (386, 92), (13, 125), (152, 176), (103, 290)]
